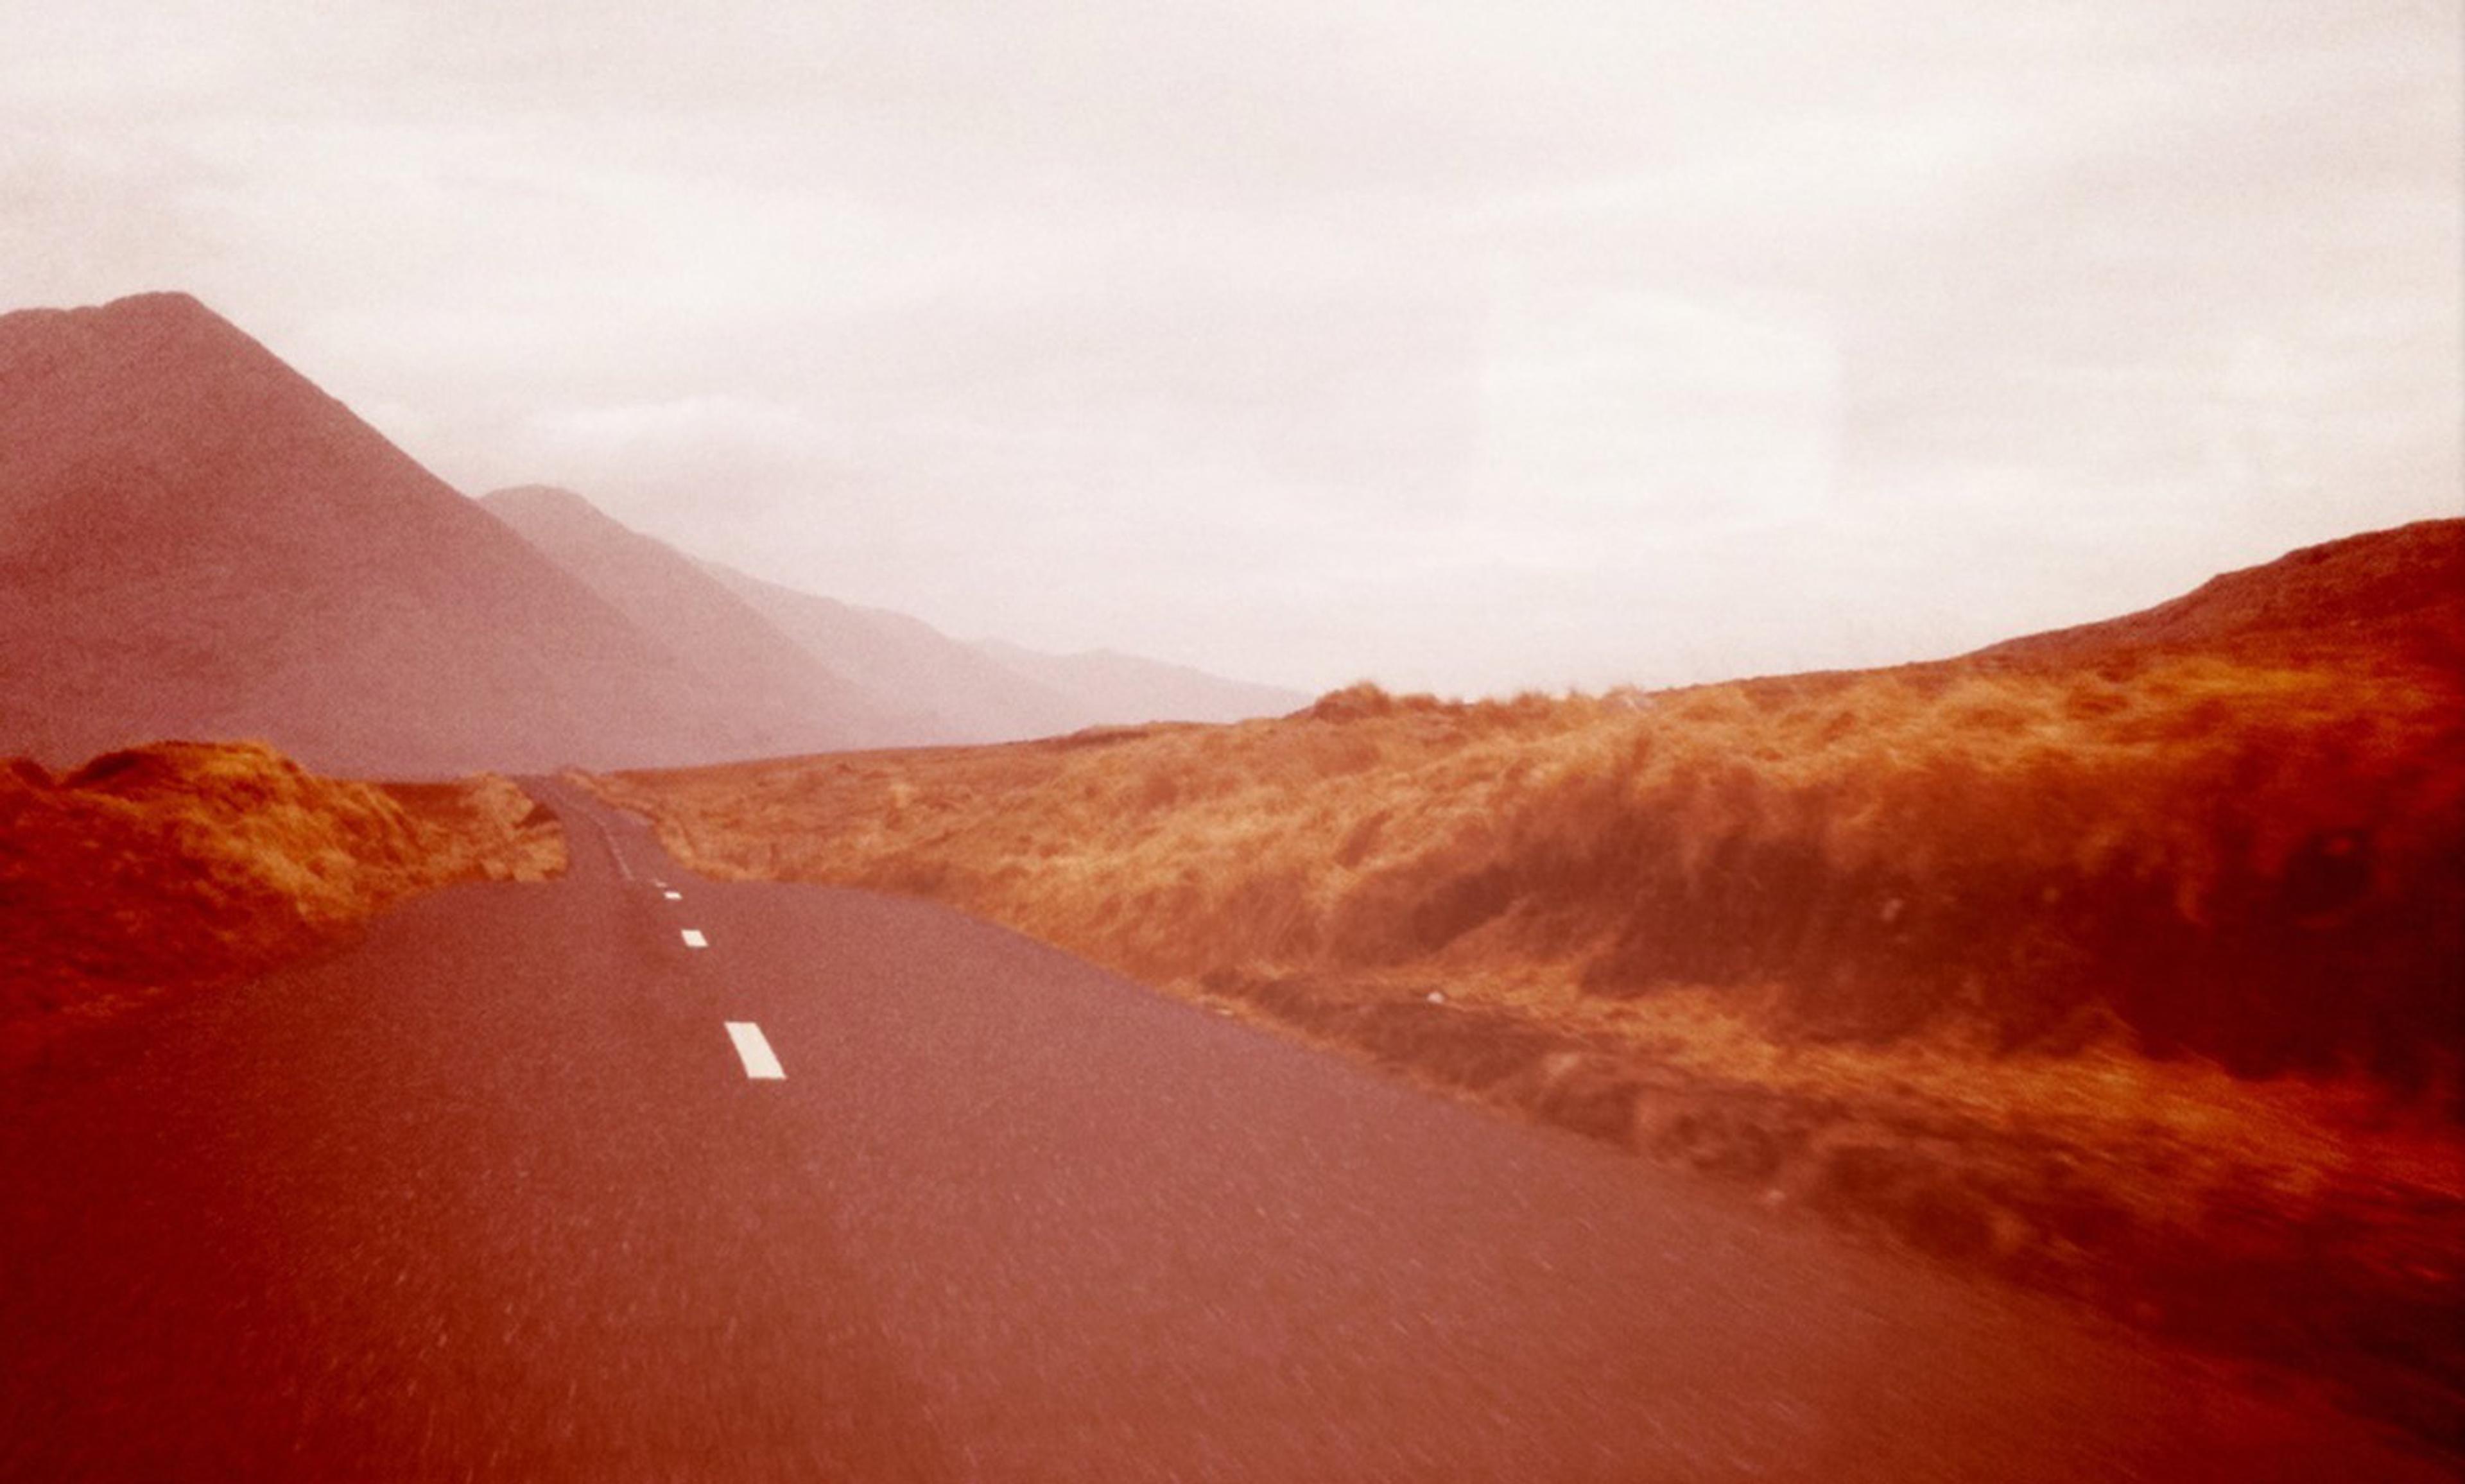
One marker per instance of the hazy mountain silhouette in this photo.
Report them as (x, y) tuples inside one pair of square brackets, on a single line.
[(773, 684), (960, 696), (994, 691), (1123, 688), (781, 652), (195, 540)]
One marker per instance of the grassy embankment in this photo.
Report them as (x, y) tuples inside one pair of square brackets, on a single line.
[(184, 864), (2123, 963)]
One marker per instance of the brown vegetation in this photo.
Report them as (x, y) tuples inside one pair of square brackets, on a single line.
[(186, 864), (2124, 962)]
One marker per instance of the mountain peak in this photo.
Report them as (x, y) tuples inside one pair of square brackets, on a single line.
[(535, 509), (162, 305), (153, 304), (543, 497), (197, 540), (112, 416), (128, 332)]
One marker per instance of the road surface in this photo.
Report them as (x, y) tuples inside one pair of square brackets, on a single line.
[(590, 1181)]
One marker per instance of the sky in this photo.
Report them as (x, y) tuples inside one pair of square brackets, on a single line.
[(1464, 347)]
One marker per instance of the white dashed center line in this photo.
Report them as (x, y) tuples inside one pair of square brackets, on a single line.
[(695, 939), (673, 896), (754, 1051), (624, 867)]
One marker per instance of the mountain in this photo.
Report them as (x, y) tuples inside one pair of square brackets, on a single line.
[(196, 541), (791, 699), (905, 683), (958, 695), (2395, 591), (1123, 688)]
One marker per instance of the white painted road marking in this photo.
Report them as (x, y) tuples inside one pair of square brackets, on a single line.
[(673, 896), (759, 1065), (624, 867), (695, 939)]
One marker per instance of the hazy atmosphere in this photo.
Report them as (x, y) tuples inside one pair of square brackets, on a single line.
[(1462, 346), (896, 741)]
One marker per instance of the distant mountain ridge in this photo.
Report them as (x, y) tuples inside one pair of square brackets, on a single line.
[(1112, 686), (196, 542), (995, 691), (961, 696), (791, 700), (912, 684)]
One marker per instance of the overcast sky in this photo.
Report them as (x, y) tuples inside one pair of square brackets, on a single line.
[(1467, 346)]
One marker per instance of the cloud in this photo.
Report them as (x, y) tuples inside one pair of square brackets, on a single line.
[(1649, 413)]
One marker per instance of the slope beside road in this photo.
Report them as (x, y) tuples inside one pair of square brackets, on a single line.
[(492, 1195)]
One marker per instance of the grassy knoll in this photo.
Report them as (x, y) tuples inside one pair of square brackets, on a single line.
[(187, 864)]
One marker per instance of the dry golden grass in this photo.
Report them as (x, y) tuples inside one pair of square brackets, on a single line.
[(186, 864), (1777, 883), (2041, 860), (2125, 965)]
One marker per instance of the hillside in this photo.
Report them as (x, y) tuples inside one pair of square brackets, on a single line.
[(2388, 593), (195, 540), (2170, 835), (994, 691), (186, 865), (956, 694), (2124, 962), (784, 699)]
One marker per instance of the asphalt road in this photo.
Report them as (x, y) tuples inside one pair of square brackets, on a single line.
[(491, 1195)]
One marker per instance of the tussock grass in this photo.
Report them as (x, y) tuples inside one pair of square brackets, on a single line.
[(2181, 864), (184, 864), (2127, 962)]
